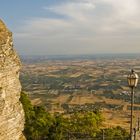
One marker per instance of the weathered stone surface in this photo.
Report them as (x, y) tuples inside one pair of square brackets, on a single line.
[(11, 111)]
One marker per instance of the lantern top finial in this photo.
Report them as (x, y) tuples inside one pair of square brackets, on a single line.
[(132, 70)]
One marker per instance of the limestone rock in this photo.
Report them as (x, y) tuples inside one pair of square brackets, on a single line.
[(11, 111)]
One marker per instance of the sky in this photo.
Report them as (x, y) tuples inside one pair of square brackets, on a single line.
[(65, 27)]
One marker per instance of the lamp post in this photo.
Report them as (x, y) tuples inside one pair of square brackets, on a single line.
[(132, 79)]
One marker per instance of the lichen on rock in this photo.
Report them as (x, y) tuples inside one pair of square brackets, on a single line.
[(11, 111)]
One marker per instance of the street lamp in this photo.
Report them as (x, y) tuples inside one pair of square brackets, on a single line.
[(132, 79)]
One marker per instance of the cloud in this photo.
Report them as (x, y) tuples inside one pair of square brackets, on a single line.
[(73, 10), (79, 25)]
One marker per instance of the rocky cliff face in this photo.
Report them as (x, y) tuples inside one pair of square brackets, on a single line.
[(11, 111)]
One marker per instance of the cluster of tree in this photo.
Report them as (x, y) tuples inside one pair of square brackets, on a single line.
[(56, 83), (41, 125)]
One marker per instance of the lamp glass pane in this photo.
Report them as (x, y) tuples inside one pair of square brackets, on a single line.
[(129, 81), (136, 82), (133, 81)]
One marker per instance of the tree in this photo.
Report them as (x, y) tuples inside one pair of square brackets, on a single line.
[(37, 120), (116, 133), (85, 122)]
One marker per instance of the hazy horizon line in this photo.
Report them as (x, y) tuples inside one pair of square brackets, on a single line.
[(79, 54)]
